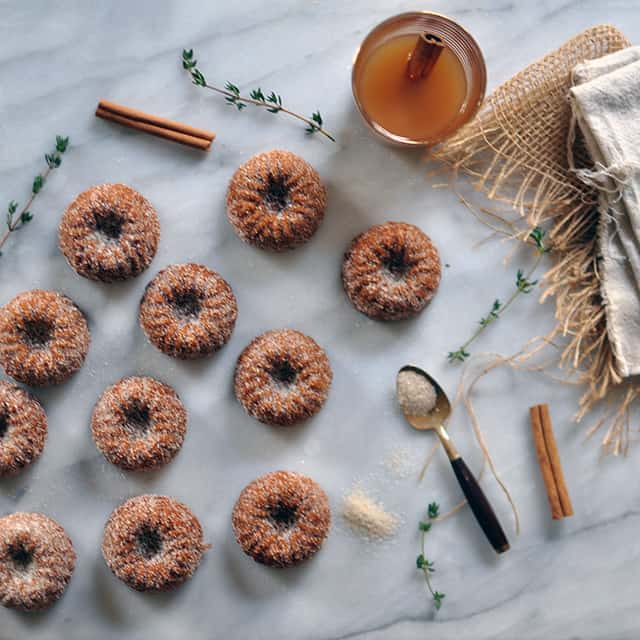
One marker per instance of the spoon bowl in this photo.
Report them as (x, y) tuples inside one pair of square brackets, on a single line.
[(439, 414)]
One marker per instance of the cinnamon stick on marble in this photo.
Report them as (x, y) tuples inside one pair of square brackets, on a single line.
[(549, 461), (424, 56), (155, 125)]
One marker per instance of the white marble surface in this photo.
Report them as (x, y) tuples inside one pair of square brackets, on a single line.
[(571, 579)]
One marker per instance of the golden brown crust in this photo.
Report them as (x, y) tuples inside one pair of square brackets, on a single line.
[(109, 232), (44, 337), (392, 271), (188, 311), (153, 543), (282, 518), (276, 201), (282, 377), (37, 560), (139, 423), (23, 429)]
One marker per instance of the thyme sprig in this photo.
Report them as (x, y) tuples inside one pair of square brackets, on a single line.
[(524, 284), (17, 217), (422, 562), (272, 101)]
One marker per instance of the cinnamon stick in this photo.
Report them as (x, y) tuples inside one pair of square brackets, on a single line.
[(549, 461), (424, 56), (155, 125)]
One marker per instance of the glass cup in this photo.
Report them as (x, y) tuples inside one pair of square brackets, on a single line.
[(461, 43)]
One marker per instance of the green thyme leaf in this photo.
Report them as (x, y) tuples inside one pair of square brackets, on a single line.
[(537, 235), (437, 599), (524, 285), (62, 144), (460, 355), (315, 124), (38, 183), (274, 99), (492, 315), (53, 160), (198, 78)]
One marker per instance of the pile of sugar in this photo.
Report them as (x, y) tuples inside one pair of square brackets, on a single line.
[(368, 517), (416, 395)]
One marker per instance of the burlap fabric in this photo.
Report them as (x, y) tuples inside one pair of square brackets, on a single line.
[(516, 151)]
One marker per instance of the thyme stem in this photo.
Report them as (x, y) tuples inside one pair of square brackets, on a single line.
[(422, 563), (503, 308), (15, 223), (425, 570), (271, 102), (524, 284), (17, 219), (259, 103)]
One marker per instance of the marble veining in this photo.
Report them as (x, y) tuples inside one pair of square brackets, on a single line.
[(572, 579)]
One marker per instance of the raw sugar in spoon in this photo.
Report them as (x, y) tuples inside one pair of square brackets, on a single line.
[(426, 406)]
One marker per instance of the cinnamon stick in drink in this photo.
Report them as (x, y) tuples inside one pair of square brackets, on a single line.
[(424, 56)]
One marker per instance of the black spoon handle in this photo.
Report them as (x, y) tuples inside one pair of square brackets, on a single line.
[(480, 506)]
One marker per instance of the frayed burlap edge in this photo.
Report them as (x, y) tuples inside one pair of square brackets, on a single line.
[(515, 150)]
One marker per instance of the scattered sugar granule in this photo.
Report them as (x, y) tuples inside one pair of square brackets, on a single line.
[(402, 463), (368, 517)]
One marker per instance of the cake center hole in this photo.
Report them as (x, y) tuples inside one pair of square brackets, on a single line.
[(283, 516), (396, 263), (187, 303), (283, 372), (149, 541), (4, 424), (276, 193), (109, 224), (20, 555), (37, 332), (137, 417)]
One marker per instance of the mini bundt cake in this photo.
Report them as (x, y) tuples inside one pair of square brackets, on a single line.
[(282, 377), (281, 519), (37, 560), (44, 337), (23, 429), (276, 201), (153, 543), (139, 423), (391, 272), (188, 311), (109, 233)]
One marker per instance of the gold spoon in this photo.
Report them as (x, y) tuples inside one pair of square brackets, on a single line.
[(435, 419)]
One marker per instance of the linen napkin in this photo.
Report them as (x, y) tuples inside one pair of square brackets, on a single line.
[(605, 101)]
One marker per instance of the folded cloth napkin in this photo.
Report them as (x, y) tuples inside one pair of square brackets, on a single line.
[(605, 101)]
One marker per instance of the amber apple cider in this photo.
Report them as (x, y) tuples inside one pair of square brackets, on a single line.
[(422, 109)]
